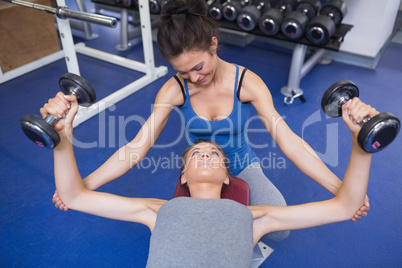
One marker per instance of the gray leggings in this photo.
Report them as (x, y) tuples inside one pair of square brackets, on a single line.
[(263, 192)]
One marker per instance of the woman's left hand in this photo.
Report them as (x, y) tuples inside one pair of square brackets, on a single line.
[(354, 112), (362, 212)]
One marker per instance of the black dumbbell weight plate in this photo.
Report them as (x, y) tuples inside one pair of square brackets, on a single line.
[(270, 22), (155, 6), (215, 11), (310, 7), (70, 83), (248, 18), (39, 131), (320, 30), (293, 25), (337, 95), (336, 9), (378, 132), (231, 10), (289, 5)]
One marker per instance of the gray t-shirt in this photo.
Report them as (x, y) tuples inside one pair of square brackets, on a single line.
[(193, 232)]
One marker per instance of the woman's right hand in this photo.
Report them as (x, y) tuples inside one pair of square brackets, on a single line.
[(58, 203), (64, 107)]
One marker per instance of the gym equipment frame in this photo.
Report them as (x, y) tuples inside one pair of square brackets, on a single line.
[(83, 26), (125, 34), (69, 51)]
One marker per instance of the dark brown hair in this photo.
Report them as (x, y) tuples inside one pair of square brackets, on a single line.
[(185, 26), (184, 157)]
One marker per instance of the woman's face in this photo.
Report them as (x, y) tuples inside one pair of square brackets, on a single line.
[(197, 66), (205, 163)]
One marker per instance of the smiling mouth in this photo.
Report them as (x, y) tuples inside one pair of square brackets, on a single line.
[(202, 80)]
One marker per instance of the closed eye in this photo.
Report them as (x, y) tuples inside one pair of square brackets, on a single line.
[(195, 68), (198, 68)]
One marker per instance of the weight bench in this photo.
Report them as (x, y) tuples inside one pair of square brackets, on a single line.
[(239, 191)]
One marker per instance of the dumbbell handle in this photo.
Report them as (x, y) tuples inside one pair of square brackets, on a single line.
[(51, 119), (344, 100), (282, 8), (331, 15), (364, 121), (304, 11)]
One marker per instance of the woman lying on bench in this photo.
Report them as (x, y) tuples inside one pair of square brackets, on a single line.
[(204, 229)]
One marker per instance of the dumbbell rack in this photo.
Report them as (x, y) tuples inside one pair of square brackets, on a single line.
[(299, 67), (69, 51)]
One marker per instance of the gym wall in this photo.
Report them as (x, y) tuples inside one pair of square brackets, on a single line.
[(373, 22)]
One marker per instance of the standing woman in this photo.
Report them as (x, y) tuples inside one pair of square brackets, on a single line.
[(215, 98)]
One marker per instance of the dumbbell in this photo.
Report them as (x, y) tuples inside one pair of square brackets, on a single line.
[(215, 9), (271, 20), (322, 27), (232, 8), (376, 133), (155, 6), (40, 130), (294, 24), (250, 15)]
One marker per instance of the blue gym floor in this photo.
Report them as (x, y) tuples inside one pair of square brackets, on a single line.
[(35, 234)]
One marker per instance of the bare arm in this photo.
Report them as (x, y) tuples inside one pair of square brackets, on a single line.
[(295, 148), (132, 153), (125, 158), (71, 188), (342, 207)]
